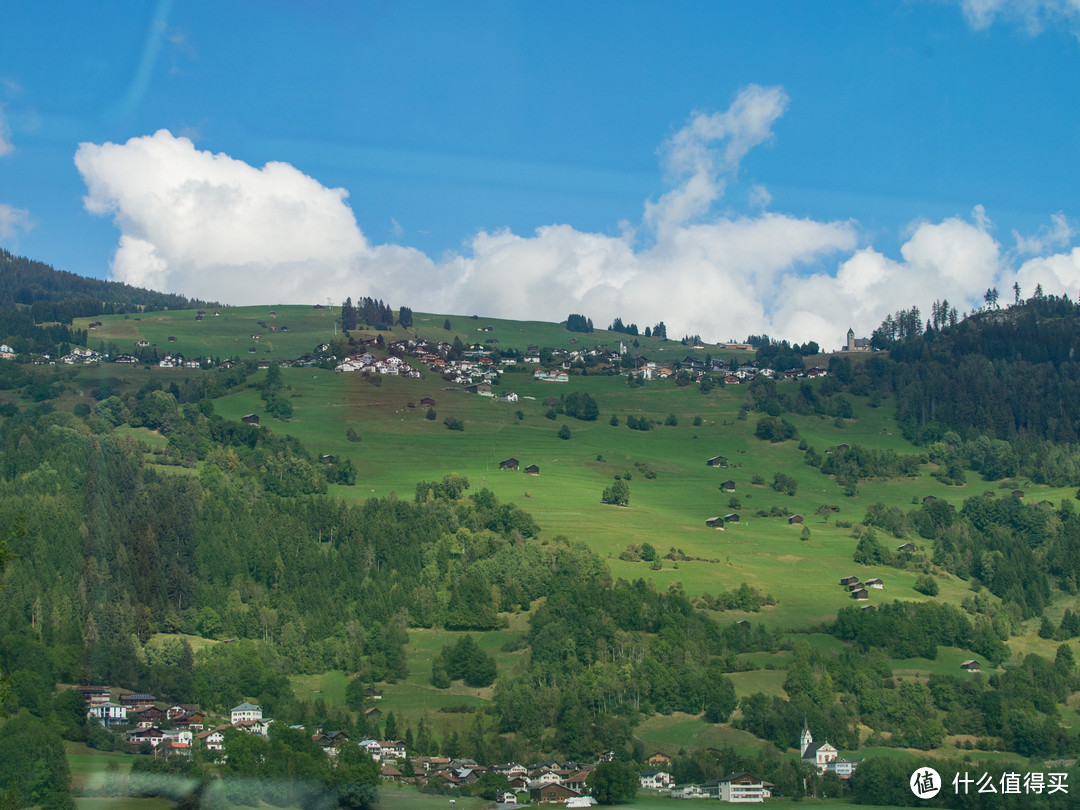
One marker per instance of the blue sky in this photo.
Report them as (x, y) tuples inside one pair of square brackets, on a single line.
[(727, 167)]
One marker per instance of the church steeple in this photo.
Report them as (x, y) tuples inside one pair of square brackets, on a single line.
[(806, 739)]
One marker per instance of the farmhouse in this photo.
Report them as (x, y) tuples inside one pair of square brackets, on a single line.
[(732, 518), (715, 522), (553, 793), (970, 666), (250, 419), (727, 486), (532, 469), (509, 464), (795, 519), (717, 461)]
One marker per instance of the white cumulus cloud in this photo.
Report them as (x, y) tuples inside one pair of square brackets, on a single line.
[(212, 226)]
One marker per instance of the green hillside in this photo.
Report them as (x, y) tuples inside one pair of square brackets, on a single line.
[(308, 542)]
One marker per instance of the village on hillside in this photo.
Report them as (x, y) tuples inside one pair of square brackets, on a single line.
[(148, 726)]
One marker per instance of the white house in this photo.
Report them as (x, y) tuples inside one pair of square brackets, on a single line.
[(741, 787), (655, 780), (392, 749), (243, 713), (108, 714), (213, 739)]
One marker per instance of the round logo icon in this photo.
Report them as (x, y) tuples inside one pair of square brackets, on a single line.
[(925, 783)]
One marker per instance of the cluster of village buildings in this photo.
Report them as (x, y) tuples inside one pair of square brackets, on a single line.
[(139, 717)]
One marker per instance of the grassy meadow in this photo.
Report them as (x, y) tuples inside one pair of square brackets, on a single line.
[(398, 446)]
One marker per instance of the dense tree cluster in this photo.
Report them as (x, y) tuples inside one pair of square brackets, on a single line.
[(369, 312), (579, 323)]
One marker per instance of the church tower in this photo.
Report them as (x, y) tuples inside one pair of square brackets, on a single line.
[(850, 339), (806, 739)]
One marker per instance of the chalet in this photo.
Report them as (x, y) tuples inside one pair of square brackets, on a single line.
[(532, 469), (743, 624), (172, 339), (732, 518), (243, 713), (795, 519), (388, 771), (519, 783), (579, 779), (250, 419), (715, 522), (854, 586), (659, 758), (6, 352), (717, 461), (371, 693), (373, 713), (929, 499), (875, 583), (907, 548), (144, 715), (94, 694), (256, 335), (191, 720), (392, 749), (860, 594), (551, 794), (213, 739), (654, 780), (427, 402), (509, 464), (740, 787), (729, 379), (970, 666), (319, 306), (727, 486), (1018, 493), (142, 344), (845, 581)]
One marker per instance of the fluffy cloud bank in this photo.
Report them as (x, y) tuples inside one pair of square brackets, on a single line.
[(212, 226)]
